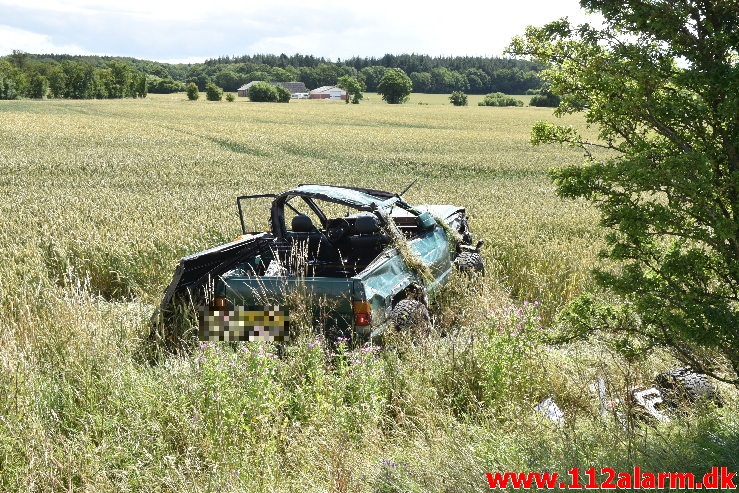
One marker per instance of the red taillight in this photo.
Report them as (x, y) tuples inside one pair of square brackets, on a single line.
[(362, 313)]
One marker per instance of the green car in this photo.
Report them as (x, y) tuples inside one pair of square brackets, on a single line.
[(362, 260)]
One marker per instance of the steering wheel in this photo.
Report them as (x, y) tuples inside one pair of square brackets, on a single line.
[(339, 228)]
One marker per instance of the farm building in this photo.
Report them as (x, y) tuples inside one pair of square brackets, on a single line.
[(328, 92), (293, 87)]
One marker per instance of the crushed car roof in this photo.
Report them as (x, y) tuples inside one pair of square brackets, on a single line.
[(359, 198)]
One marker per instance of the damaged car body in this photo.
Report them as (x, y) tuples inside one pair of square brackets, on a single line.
[(371, 259)]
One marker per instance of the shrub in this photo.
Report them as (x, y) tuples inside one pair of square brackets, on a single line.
[(213, 92), (157, 85), (500, 99), (546, 99), (230, 97), (458, 98), (263, 92), (192, 91), (283, 95)]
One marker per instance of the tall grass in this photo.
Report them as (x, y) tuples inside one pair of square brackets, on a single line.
[(101, 198)]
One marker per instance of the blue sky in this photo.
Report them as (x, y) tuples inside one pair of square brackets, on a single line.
[(190, 31)]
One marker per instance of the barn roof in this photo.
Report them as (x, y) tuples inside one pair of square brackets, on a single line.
[(325, 89), (293, 87)]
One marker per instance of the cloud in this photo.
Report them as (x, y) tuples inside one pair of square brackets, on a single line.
[(12, 38), (186, 29)]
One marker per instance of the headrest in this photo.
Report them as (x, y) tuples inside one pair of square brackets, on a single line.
[(302, 224), (366, 224)]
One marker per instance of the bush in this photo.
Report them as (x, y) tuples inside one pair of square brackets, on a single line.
[(213, 92), (546, 99), (458, 98), (283, 95), (230, 97), (500, 99), (263, 92), (192, 91), (157, 85)]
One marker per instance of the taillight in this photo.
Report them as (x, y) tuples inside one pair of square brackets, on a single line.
[(362, 313)]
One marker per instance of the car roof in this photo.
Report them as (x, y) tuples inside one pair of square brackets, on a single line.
[(359, 198)]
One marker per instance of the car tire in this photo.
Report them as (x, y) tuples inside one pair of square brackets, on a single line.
[(411, 317), (684, 385), (470, 263)]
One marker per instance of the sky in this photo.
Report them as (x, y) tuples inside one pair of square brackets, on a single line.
[(189, 31)]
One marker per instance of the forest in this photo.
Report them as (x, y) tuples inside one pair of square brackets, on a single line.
[(25, 75)]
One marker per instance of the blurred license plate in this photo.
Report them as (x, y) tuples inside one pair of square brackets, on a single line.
[(245, 323)]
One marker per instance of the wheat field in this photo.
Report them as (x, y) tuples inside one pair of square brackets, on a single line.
[(99, 201)]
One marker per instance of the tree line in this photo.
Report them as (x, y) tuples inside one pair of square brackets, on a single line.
[(70, 76), (24, 75)]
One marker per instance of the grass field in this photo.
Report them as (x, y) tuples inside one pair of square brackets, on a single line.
[(101, 198)]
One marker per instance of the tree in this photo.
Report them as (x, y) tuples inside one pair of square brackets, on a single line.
[(262, 92), (458, 98), (118, 84), (283, 95), (213, 92), (395, 86), (192, 91), (421, 81), (372, 76), (661, 82), (353, 88), (499, 99), (545, 98), (38, 86)]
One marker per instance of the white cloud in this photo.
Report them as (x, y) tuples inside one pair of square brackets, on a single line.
[(12, 38), (190, 30)]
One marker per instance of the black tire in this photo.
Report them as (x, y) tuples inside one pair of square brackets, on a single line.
[(470, 263), (412, 317), (683, 385)]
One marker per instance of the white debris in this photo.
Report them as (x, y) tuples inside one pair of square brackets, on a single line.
[(648, 399), (551, 410)]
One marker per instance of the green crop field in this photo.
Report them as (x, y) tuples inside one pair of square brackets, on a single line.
[(100, 199)]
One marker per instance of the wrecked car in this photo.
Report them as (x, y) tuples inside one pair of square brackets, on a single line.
[(365, 260)]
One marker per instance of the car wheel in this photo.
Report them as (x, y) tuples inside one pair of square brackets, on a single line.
[(470, 262), (412, 317), (681, 385)]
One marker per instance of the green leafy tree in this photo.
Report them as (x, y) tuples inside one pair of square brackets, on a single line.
[(372, 76), (395, 86), (38, 86), (667, 179), (499, 99), (458, 98), (9, 76), (157, 85), (283, 95), (213, 92), (353, 88), (57, 82), (192, 91), (546, 99), (228, 79), (421, 81), (119, 82), (140, 85), (262, 92)]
